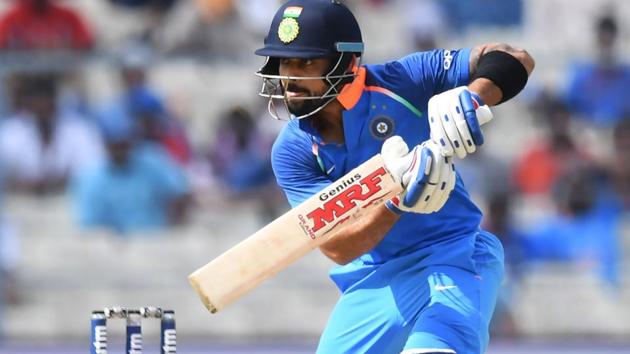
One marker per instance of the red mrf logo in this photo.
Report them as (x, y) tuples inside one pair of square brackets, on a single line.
[(342, 203)]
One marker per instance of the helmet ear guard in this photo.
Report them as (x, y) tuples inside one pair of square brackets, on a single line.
[(344, 65), (271, 66)]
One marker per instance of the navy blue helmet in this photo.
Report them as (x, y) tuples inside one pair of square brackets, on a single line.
[(310, 29)]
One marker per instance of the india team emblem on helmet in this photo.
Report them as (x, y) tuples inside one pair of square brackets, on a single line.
[(382, 127), (288, 30)]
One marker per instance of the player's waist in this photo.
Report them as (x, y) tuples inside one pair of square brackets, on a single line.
[(456, 251)]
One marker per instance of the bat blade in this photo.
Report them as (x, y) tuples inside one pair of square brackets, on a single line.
[(291, 236)]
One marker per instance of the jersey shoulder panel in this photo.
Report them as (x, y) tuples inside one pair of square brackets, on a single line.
[(390, 75), (418, 76), (435, 70)]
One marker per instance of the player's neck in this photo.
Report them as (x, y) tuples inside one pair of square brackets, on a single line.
[(329, 123)]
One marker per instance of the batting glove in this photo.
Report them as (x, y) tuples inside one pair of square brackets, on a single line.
[(454, 123), (426, 175)]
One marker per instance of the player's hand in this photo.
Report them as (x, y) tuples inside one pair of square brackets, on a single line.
[(455, 125), (426, 175)]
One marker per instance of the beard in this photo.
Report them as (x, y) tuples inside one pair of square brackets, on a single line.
[(303, 107), (300, 107)]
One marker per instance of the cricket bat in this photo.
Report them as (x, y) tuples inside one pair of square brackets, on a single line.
[(297, 232)]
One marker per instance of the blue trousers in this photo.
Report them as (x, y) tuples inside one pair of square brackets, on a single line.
[(412, 302)]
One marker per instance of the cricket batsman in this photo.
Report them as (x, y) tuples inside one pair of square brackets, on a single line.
[(416, 274)]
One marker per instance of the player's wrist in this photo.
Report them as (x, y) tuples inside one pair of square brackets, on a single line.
[(485, 90)]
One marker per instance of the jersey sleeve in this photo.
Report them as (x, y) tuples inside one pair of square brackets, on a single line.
[(438, 70), (295, 166)]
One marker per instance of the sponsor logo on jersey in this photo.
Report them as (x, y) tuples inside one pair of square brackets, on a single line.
[(340, 200), (382, 127)]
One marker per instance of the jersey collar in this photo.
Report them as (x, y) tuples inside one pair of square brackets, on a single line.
[(351, 93)]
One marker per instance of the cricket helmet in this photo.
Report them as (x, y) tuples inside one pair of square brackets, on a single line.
[(310, 29)]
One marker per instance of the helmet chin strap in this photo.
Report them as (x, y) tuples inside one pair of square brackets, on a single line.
[(277, 92)]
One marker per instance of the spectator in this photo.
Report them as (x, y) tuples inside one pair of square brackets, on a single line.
[(9, 256), (426, 23), (2, 273), (484, 175), (145, 109), (619, 164), (540, 164), (584, 231), (240, 155), (214, 28), (255, 14), (241, 161), (40, 147), (598, 91), (43, 25), (138, 188), (155, 124), (498, 220), (150, 15), (144, 3), (465, 14)]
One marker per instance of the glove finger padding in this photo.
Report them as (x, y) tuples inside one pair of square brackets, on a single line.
[(427, 188), (454, 121), (438, 132), (418, 176), (470, 103), (467, 142), (448, 106), (444, 185), (452, 178), (430, 187)]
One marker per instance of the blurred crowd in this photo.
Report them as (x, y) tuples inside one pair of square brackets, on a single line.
[(127, 163)]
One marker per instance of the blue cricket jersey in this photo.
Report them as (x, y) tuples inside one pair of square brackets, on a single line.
[(384, 100)]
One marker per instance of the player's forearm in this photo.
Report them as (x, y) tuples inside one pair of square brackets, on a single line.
[(491, 92), (360, 237)]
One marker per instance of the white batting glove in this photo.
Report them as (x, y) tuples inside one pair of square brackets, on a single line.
[(427, 176), (455, 123)]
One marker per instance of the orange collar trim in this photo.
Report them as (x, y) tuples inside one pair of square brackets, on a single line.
[(351, 93)]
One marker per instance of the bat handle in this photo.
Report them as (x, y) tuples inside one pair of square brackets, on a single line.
[(475, 120), (484, 114)]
